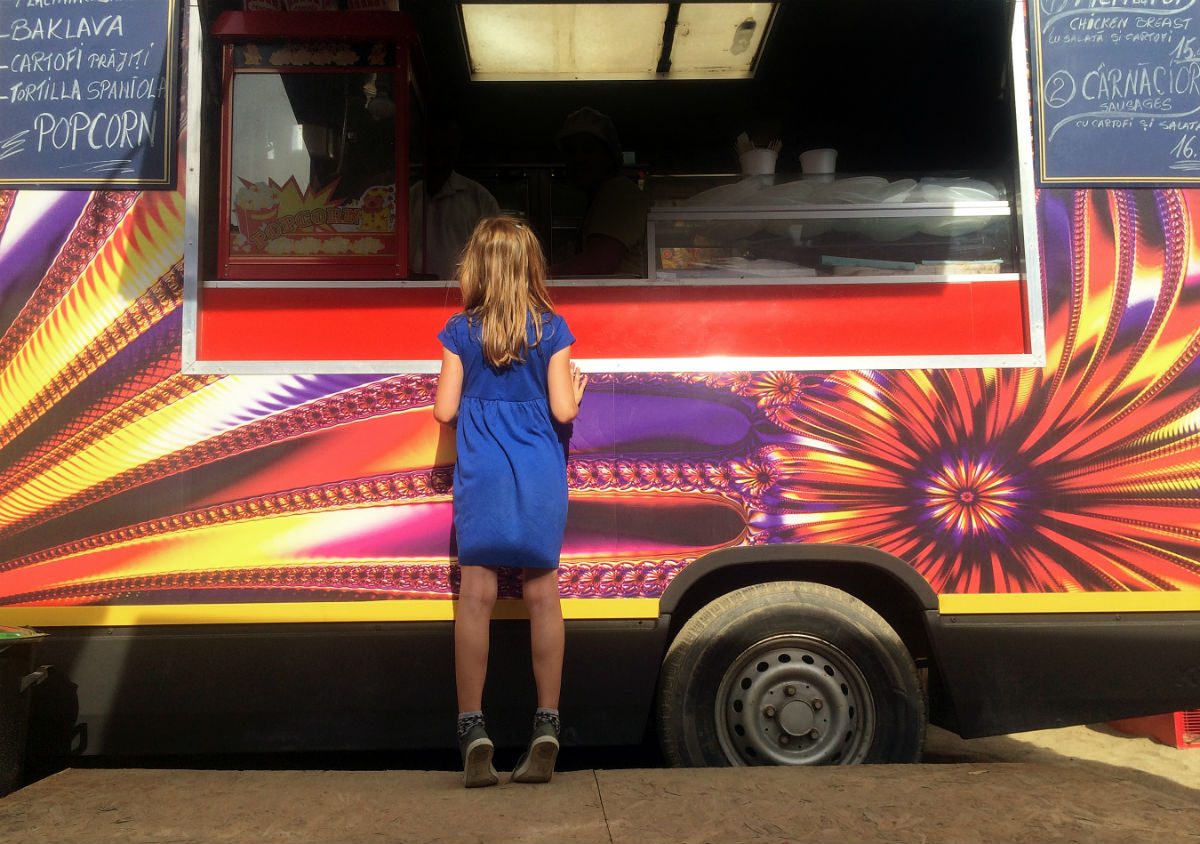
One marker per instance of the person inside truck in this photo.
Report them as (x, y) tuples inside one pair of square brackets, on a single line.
[(612, 238), (444, 207)]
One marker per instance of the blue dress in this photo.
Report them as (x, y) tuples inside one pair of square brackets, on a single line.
[(510, 480)]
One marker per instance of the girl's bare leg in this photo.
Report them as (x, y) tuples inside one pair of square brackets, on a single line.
[(472, 620), (540, 592)]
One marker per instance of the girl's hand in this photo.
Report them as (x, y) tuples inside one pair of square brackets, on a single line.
[(578, 382), (565, 385)]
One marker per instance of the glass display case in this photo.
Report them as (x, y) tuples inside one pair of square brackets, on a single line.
[(321, 136), (856, 228)]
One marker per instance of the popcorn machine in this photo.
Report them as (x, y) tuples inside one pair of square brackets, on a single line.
[(320, 134)]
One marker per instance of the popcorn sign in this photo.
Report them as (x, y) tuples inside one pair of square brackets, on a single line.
[(88, 93)]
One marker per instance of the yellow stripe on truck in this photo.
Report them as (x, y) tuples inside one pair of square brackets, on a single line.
[(573, 608), (315, 612), (1070, 602)]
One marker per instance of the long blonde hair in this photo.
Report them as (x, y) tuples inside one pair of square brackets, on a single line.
[(503, 279)]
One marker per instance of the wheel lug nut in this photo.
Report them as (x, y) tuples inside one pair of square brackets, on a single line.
[(785, 738), (817, 703), (814, 734), (789, 690), (769, 711)]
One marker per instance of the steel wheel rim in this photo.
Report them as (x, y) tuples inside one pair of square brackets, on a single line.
[(794, 700)]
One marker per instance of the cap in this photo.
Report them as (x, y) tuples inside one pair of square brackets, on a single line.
[(589, 121)]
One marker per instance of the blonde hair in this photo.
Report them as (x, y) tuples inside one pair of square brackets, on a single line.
[(503, 279)]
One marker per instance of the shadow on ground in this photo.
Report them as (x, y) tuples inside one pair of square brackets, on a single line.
[(646, 756)]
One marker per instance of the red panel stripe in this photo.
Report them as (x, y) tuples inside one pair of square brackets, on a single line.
[(630, 322)]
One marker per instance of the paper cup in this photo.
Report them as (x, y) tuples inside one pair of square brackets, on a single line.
[(818, 162), (758, 162)]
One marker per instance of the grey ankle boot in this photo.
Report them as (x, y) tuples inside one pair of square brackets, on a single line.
[(477, 750), (537, 764)]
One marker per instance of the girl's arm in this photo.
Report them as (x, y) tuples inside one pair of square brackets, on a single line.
[(449, 388), (566, 385)]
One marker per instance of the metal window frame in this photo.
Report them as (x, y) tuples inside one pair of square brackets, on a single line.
[(1024, 209)]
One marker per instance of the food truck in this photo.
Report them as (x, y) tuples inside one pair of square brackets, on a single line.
[(899, 431)]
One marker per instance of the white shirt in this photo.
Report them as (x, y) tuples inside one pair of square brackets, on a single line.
[(440, 225)]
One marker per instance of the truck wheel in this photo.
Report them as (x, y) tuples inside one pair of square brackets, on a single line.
[(789, 674)]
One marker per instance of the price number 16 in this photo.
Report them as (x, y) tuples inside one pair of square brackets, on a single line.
[(1185, 149)]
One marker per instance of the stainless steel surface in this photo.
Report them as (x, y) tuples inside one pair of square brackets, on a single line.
[(693, 364), (1026, 204), (191, 190), (997, 208), (300, 284), (665, 279)]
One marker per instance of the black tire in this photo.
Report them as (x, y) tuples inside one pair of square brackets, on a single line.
[(789, 673)]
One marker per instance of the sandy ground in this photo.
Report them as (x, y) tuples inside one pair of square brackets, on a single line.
[(1080, 785), (1099, 744)]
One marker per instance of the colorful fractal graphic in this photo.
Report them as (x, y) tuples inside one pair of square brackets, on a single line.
[(125, 482)]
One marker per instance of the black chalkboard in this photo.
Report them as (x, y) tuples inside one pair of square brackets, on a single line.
[(88, 93), (1116, 87)]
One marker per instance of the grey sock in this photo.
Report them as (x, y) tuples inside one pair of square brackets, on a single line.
[(546, 715), (467, 720)]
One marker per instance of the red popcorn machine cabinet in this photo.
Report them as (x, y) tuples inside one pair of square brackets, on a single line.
[(318, 111)]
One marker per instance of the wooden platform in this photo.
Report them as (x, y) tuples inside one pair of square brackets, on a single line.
[(1068, 801)]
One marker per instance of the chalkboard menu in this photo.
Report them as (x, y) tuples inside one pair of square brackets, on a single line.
[(88, 93), (1116, 91)]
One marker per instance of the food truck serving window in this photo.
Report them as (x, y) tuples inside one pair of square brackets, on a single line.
[(310, 162)]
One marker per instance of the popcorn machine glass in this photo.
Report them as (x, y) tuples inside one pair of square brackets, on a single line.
[(320, 137)]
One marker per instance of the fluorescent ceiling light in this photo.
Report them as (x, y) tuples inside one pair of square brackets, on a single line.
[(558, 41), (718, 38)]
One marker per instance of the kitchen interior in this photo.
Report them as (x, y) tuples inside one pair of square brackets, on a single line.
[(844, 140)]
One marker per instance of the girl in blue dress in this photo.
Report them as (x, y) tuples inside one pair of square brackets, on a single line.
[(506, 378)]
